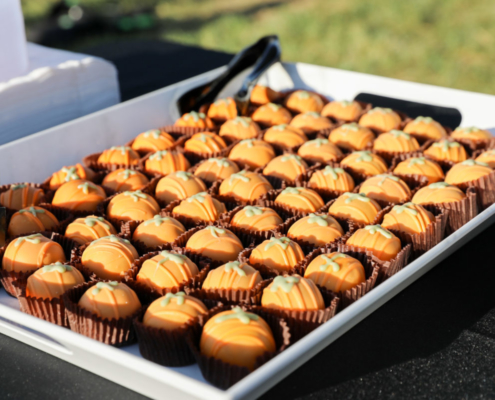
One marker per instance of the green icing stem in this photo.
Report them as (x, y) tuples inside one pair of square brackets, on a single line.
[(122, 149), (70, 174), (372, 229), (221, 162), (350, 127), (16, 187), (111, 238), (244, 121), (104, 285), (214, 231), (157, 220), (316, 142), (385, 177), (86, 186), (92, 221), (154, 132), (136, 195), (439, 185), (34, 239), (274, 107), (294, 157), (317, 219), (396, 133), (405, 207), (127, 173), (333, 172), (365, 156), (58, 266), (291, 190), (185, 176), (238, 313), (158, 155), (330, 262), (250, 211), (33, 211), (168, 256), (473, 162), (239, 175), (201, 197), (283, 242), (235, 265), (356, 196), (179, 296), (416, 161), (286, 283), (426, 120)]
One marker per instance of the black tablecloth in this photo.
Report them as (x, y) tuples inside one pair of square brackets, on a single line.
[(434, 340)]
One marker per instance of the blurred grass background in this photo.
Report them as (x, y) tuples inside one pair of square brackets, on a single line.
[(447, 43)]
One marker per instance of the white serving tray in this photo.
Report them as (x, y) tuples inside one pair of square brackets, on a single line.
[(37, 156)]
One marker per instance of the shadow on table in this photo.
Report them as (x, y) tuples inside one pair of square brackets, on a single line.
[(423, 319)]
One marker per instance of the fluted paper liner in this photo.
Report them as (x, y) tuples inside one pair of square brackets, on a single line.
[(178, 132), (485, 190), (224, 375)]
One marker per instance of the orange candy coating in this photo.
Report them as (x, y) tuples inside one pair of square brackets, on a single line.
[(178, 185), (355, 206), (410, 218), (262, 95), (252, 152), (245, 185), (28, 253), (365, 162), (237, 337), (32, 219), (110, 300), (302, 101), (166, 270), (317, 229), (471, 133), (386, 187), (381, 119), (285, 136), (119, 155), (109, 257), (286, 166), (395, 141), (437, 193), (280, 254), (302, 199), (153, 140), (331, 178), (79, 196), (223, 109), (123, 179), (201, 207), (205, 142), (216, 168), (71, 173), (426, 128), (240, 128), (158, 230), (173, 311), (194, 119), (421, 166), (448, 151), (382, 243), (342, 110), (319, 150), (21, 196), (90, 228), (292, 293), (487, 157), (467, 171), (256, 218), (271, 114), (52, 281), (311, 122), (219, 244), (336, 271), (165, 162), (232, 275), (352, 137), (133, 206)]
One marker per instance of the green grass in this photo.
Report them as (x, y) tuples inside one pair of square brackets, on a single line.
[(447, 43)]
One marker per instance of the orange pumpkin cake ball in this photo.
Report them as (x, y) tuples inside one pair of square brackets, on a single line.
[(319, 150), (261, 95), (302, 101), (232, 275), (352, 137), (382, 243), (301, 199), (153, 140), (286, 166), (245, 185), (292, 293), (110, 300), (72, 173), (317, 229), (281, 254), (200, 207), (240, 128), (438, 193), (133, 206), (395, 141), (29, 253), (219, 244), (365, 162), (21, 196), (79, 196), (109, 257), (472, 133), (87, 229), (32, 219), (409, 217), (311, 122), (205, 142), (421, 166), (123, 179), (256, 218), (119, 155), (194, 119), (166, 270), (386, 187), (425, 128), (342, 110), (447, 151), (332, 178), (223, 109), (178, 185), (216, 168), (336, 271), (173, 311), (271, 114), (158, 231), (356, 207), (52, 281), (165, 162), (285, 136), (252, 152), (381, 119), (487, 157), (221, 338), (467, 171)]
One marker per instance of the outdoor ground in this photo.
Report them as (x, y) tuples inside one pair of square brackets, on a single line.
[(447, 42)]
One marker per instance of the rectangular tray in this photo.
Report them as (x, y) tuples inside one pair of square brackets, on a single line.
[(37, 156)]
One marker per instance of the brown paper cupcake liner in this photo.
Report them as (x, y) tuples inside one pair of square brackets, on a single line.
[(178, 132), (224, 375), (91, 161), (127, 231), (485, 190)]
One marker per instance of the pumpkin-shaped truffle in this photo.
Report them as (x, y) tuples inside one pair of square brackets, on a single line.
[(52, 281), (285, 136), (119, 155), (165, 162), (205, 142), (261, 95), (395, 141), (386, 187), (292, 293), (352, 137), (271, 114), (152, 141), (223, 109), (365, 162), (280, 254), (342, 110), (240, 128), (332, 178), (316, 229), (123, 179), (232, 275), (421, 166), (201, 207), (72, 173), (311, 122), (158, 231), (467, 171), (256, 219), (487, 157), (194, 119), (381, 119), (31, 219), (90, 228), (79, 196), (301, 199), (21, 196), (302, 101), (425, 128), (355, 206), (252, 152), (216, 168), (472, 133), (178, 185), (410, 218), (132, 206), (286, 166), (447, 151), (319, 150), (219, 244), (245, 185), (382, 243), (438, 193)]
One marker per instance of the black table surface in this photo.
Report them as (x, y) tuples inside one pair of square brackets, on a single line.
[(434, 340)]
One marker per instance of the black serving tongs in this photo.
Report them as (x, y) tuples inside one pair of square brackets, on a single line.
[(263, 54)]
